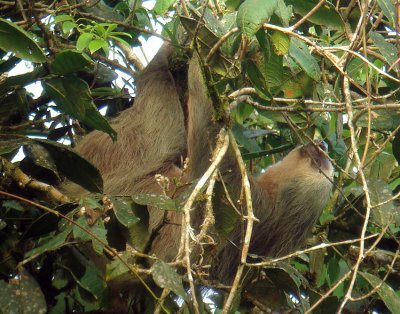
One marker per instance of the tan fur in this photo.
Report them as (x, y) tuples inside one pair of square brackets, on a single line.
[(287, 198)]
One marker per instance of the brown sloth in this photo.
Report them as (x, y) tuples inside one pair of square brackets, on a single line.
[(287, 199)]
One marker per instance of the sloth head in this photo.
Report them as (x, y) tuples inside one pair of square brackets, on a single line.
[(307, 163), (316, 153), (309, 159)]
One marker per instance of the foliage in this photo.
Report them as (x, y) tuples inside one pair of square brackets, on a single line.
[(287, 74)]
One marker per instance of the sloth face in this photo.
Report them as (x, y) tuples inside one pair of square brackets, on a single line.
[(314, 152)]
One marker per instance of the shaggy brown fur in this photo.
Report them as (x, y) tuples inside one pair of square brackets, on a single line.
[(287, 198)]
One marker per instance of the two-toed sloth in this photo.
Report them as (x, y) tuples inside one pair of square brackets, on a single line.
[(152, 138)]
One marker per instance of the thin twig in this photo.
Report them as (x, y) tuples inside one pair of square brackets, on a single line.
[(24, 181), (305, 17), (311, 249), (219, 43), (187, 232), (346, 92), (249, 227)]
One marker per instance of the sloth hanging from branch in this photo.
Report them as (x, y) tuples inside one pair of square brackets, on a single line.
[(170, 121)]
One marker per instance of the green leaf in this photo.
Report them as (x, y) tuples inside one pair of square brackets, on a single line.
[(68, 26), (232, 5), (272, 69), (257, 79), (384, 120), (280, 43), (10, 145), (72, 96), (16, 40), (166, 277), (92, 281), (299, 52), (22, 295), (97, 229), (389, 11), (387, 294), (69, 61), (388, 50), (83, 41), (12, 205), (63, 18), (287, 278), (252, 14), (333, 271), (49, 243), (139, 232), (379, 191), (292, 89), (97, 44), (266, 293), (161, 7), (382, 167), (356, 70), (326, 15), (159, 201), (40, 162), (284, 12), (123, 209), (248, 143), (73, 166), (116, 268)]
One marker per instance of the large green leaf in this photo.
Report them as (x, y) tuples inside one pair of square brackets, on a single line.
[(22, 295), (161, 7), (326, 15), (117, 268), (73, 166), (299, 52), (253, 13), (284, 12), (280, 43), (123, 209), (49, 243), (379, 191), (139, 231), (159, 201), (388, 10), (166, 277), (69, 61), (287, 278), (72, 95), (16, 40), (388, 50), (387, 294), (384, 120), (257, 79)]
